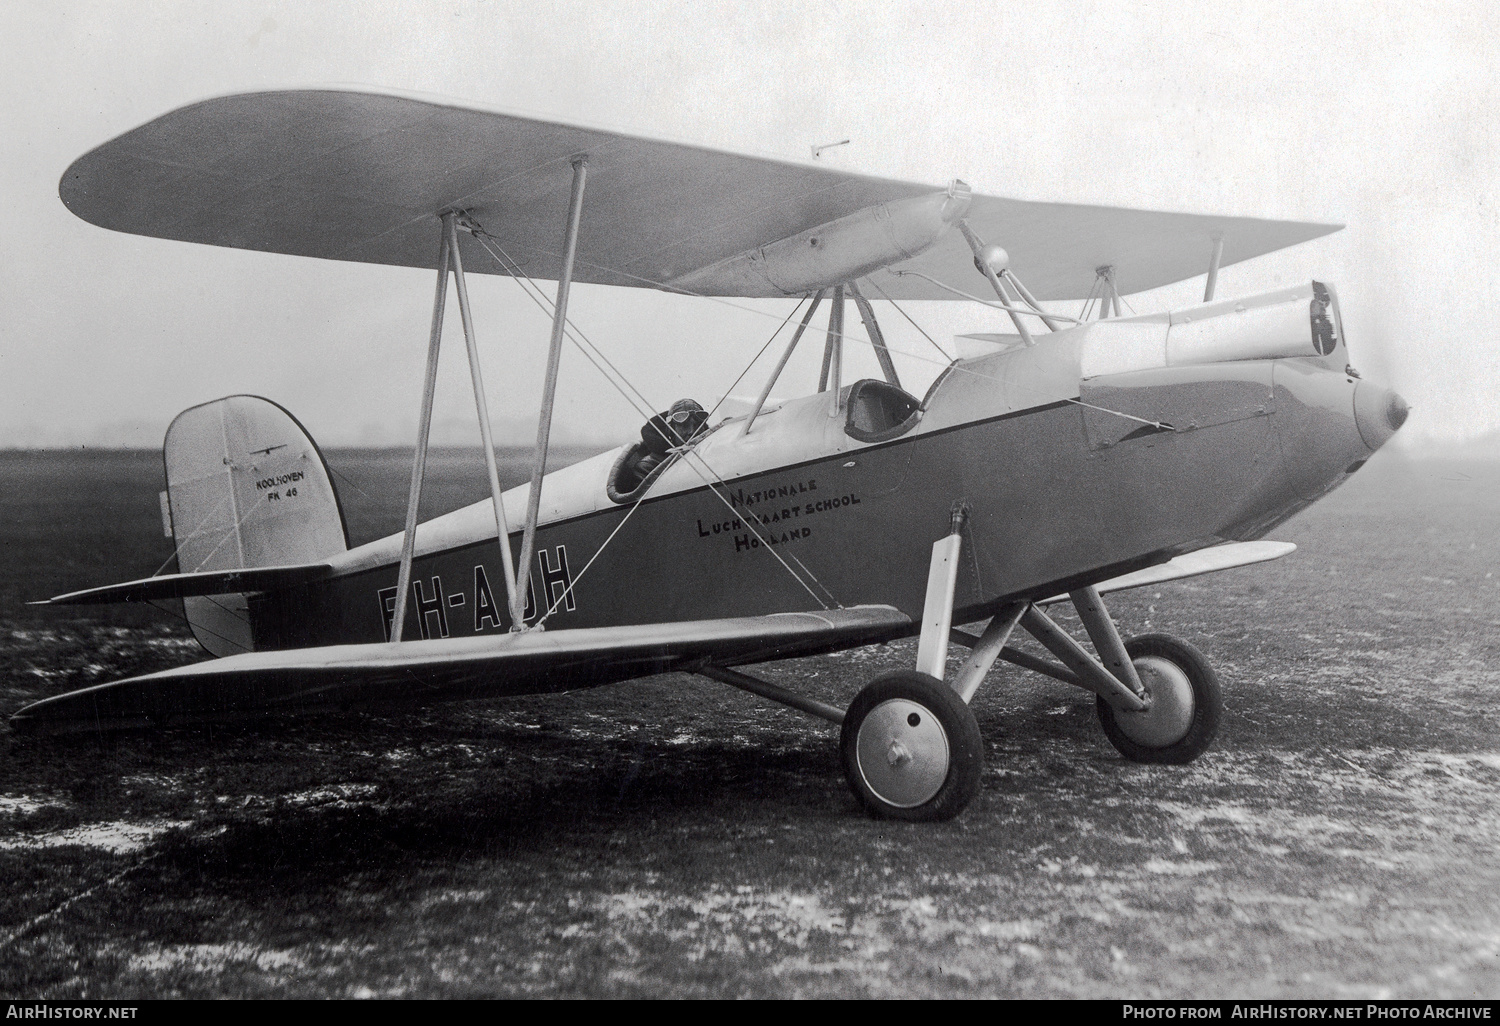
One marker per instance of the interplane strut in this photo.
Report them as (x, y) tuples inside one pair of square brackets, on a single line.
[(481, 405), (449, 256), (549, 388), (419, 464)]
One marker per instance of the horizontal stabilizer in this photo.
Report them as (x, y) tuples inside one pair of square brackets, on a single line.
[(420, 672), (1203, 561), (210, 582)]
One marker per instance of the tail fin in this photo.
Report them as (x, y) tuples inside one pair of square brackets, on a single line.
[(246, 487)]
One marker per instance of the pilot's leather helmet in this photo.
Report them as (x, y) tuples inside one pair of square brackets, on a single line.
[(682, 410)]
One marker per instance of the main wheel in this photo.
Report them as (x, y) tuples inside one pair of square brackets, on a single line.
[(1186, 705), (911, 748)]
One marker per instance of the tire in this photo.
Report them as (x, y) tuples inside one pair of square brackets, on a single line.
[(911, 749), (1187, 705)]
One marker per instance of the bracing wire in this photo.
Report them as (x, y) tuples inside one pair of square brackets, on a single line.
[(747, 519), (624, 382), (639, 402), (643, 406), (198, 626), (195, 532), (730, 390), (876, 285), (239, 523), (904, 352), (984, 302), (1088, 300), (819, 583), (598, 552), (512, 268), (203, 523), (350, 482)]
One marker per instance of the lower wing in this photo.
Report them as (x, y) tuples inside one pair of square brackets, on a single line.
[(1202, 561), (419, 672)]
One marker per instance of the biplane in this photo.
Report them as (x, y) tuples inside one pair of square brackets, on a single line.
[(1059, 460)]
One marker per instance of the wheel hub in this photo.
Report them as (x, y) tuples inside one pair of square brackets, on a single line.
[(902, 751), (1170, 714)]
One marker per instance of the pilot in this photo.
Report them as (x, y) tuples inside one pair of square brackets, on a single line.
[(677, 426), (667, 431)]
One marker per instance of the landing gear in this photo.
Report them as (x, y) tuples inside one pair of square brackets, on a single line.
[(1185, 704), (911, 748), (910, 745)]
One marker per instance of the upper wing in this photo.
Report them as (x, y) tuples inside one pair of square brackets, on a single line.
[(359, 175), (418, 672)]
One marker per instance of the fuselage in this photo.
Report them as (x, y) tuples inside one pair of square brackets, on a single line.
[(1100, 449)]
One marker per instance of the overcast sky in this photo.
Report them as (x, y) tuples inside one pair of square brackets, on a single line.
[(1379, 115)]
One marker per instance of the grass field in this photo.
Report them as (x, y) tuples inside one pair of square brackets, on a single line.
[(670, 837)]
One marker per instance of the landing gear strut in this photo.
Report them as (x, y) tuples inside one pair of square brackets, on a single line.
[(909, 742)]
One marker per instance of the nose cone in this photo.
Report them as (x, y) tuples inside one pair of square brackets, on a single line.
[(1378, 412)]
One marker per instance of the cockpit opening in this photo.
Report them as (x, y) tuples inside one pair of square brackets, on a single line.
[(880, 411)]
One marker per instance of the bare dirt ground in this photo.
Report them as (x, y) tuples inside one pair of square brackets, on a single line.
[(670, 837)]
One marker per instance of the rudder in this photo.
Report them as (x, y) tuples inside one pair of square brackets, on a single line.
[(246, 487)]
